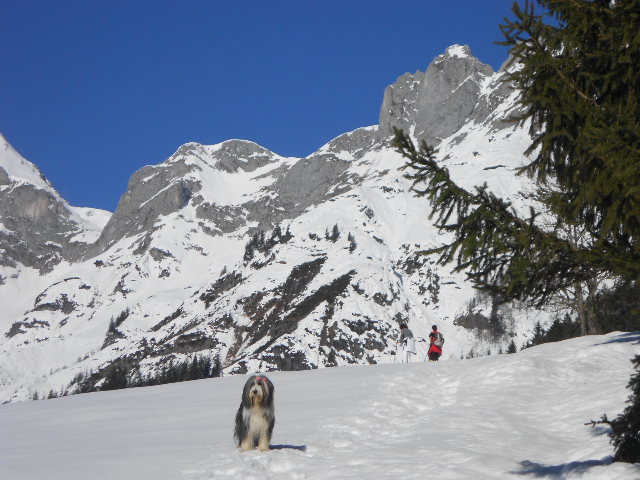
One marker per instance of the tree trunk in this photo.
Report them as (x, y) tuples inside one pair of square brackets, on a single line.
[(585, 308)]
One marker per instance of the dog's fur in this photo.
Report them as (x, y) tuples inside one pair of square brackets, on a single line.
[(255, 417)]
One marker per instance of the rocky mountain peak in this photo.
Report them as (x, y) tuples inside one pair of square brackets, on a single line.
[(197, 175), (229, 156), (37, 226), (235, 155), (435, 104), (457, 51), (18, 170)]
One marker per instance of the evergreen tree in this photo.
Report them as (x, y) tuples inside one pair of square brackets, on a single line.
[(538, 335), (112, 327), (512, 347), (193, 371), (561, 330), (580, 90), (579, 83), (617, 307), (352, 242), (216, 370), (580, 93), (250, 248), (509, 256), (287, 235), (334, 235), (625, 429), (116, 378)]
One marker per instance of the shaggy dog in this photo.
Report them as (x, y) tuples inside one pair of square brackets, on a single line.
[(255, 417)]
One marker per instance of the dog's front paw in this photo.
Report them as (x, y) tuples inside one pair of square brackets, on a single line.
[(245, 446)]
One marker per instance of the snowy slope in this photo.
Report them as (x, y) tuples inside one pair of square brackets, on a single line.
[(92, 221), (504, 416)]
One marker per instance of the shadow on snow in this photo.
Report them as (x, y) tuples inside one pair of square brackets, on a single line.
[(301, 448), (598, 430), (624, 338), (559, 471)]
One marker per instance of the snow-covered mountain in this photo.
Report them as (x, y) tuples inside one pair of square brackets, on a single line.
[(38, 228), (498, 417), (231, 251)]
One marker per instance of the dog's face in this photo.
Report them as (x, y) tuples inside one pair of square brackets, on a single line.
[(258, 391)]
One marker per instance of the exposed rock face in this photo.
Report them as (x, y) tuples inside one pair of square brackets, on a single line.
[(435, 104), (353, 144), (235, 155), (160, 190), (36, 224), (308, 182), (153, 191), (400, 105)]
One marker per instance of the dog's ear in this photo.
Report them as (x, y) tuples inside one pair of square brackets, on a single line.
[(270, 384), (269, 388), (245, 391)]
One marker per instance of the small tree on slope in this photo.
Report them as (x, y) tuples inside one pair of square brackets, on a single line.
[(625, 429)]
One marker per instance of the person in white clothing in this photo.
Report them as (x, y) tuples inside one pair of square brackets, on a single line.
[(408, 343)]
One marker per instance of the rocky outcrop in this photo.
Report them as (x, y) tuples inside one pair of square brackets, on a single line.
[(36, 225), (435, 104), (152, 191), (236, 155)]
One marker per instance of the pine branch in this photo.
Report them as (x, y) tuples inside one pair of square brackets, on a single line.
[(579, 86), (603, 421), (500, 251)]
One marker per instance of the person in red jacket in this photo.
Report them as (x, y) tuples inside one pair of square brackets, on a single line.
[(436, 340)]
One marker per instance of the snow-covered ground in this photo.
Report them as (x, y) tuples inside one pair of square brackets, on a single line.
[(504, 416)]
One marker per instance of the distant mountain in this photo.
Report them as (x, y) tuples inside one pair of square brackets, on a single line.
[(38, 228), (231, 251)]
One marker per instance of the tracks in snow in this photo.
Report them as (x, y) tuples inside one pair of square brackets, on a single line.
[(357, 439)]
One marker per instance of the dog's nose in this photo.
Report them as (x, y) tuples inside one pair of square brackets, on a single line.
[(255, 390)]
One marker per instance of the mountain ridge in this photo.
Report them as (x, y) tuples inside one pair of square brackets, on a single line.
[(271, 262)]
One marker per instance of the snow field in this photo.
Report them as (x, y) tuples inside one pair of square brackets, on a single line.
[(505, 416)]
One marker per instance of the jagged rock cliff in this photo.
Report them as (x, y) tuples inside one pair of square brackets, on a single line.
[(435, 104), (37, 227)]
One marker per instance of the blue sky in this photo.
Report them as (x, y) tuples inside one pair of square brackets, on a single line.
[(91, 91)]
